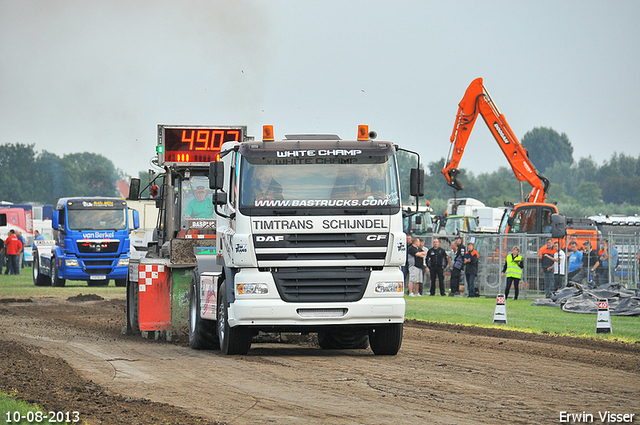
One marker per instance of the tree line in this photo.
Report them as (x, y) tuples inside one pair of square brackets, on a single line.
[(580, 188), (28, 176)]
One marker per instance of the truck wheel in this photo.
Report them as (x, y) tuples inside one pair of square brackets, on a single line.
[(120, 282), (386, 340), (343, 339), (55, 280), (202, 332), (133, 324), (235, 340), (38, 278)]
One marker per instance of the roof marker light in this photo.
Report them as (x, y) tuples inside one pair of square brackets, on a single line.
[(363, 132), (267, 133)]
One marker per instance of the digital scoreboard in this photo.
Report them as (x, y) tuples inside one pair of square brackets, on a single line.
[(194, 145)]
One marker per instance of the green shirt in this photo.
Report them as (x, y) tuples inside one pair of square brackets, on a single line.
[(197, 209)]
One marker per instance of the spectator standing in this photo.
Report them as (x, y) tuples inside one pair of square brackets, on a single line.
[(513, 267), (416, 263), (471, 268), (575, 260), (437, 261), (21, 261), (607, 253), (405, 268), (13, 247), (590, 263), (456, 268), (37, 236), (424, 268), (559, 266), (1, 254), (546, 266)]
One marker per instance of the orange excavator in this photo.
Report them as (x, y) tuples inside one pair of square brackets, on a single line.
[(533, 215), (476, 101)]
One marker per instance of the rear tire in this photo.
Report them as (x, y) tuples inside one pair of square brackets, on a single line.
[(202, 332), (38, 278), (120, 282), (386, 340), (55, 280), (236, 340), (133, 324)]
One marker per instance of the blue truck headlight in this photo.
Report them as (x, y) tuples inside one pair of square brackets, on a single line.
[(123, 262), (71, 263), (252, 288), (385, 287)]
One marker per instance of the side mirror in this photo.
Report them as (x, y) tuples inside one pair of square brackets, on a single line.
[(418, 220), (136, 219), (55, 220), (220, 198), (510, 221), (416, 182), (134, 189), (216, 175), (558, 226)]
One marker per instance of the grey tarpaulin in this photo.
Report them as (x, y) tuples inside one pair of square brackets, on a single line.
[(584, 299)]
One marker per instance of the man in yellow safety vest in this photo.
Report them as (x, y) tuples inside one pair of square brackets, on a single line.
[(513, 268)]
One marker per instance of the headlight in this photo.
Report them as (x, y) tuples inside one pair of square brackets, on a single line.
[(382, 287), (71, 263), (252, 288), (123, 262)]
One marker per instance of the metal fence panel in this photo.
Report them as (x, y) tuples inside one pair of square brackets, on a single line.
[(494, 248)]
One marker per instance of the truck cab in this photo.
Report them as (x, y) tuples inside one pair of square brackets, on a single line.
[(307, 234), (91, 243)]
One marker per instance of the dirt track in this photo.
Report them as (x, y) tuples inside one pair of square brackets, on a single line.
[(67, 355)]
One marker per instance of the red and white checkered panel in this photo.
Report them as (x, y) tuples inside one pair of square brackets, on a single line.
[(147, 274), (154, 297)]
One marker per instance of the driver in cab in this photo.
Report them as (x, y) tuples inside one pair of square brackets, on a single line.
[(359, 187), (201, 206), (266, 188)]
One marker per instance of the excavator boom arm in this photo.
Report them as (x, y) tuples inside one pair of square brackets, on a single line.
[(476, 101)]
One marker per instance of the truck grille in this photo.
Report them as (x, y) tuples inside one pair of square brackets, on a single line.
[(322, 250), (336, 284), (98, 271), (98, 266), (98, 246)]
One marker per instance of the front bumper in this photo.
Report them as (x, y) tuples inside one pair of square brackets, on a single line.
[(270, 310)]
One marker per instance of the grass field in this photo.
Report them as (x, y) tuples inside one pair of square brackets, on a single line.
[(21, 286), (521, 315), (13, 408)]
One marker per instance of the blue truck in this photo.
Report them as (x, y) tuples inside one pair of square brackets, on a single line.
[(90, 243)]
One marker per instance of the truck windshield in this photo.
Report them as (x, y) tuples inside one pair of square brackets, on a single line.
[(367, 184), (97, 219), (455, 225)]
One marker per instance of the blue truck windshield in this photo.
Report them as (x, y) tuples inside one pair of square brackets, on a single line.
[(97, 219), (341, 184)]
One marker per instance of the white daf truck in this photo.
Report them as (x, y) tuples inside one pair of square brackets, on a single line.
[(302, 235)]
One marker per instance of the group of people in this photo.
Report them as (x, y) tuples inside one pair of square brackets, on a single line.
[(435, 260), (587, 264), (584, 264), (581, 263), (11, 252)]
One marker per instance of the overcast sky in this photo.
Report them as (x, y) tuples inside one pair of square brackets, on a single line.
[(87, 76)]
